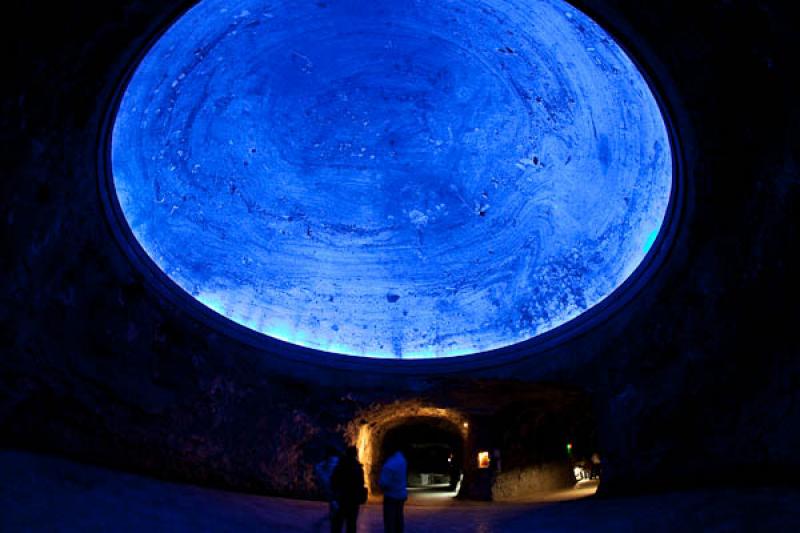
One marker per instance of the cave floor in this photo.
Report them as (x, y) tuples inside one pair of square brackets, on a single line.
[(42, 493)]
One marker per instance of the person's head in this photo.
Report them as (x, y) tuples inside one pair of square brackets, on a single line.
[(394, 450), (332, 451), (351, 453)]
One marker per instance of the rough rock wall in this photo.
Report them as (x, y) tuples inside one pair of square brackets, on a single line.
[(520, 483), (695, 381)]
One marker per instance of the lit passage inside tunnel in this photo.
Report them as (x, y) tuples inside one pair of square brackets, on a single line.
[(392, 178), (434, 455)]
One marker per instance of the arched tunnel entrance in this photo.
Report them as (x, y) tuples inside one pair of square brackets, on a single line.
[(434, 451), (428, 435)]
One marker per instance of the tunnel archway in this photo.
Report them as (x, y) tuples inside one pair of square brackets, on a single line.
[(370, 430), (435, 452)]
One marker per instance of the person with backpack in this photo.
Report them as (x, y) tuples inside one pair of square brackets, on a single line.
[(349, 492)]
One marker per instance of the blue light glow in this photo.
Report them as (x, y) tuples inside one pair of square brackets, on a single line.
[(651, 239), (393, 178)]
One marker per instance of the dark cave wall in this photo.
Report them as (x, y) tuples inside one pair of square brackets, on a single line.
[(694, 381)]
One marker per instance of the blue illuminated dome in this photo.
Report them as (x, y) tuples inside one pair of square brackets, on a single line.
[(392, 178)]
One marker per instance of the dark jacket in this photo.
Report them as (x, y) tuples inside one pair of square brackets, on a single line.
[(347, 482)]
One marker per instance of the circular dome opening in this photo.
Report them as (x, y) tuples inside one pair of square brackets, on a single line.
[(392, 179)]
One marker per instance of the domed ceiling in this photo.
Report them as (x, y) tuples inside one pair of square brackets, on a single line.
[(392, 178)]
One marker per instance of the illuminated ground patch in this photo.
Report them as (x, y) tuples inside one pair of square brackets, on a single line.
[(392, 178)]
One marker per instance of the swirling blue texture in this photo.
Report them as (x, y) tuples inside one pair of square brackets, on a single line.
[(392, 178)]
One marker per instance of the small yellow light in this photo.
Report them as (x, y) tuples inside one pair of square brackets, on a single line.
[(483, 459), (466, 424)]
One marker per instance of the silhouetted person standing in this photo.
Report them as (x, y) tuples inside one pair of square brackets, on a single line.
[(454, 471), (347, 486), (393, 482), (324, 471), (596, 465)]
